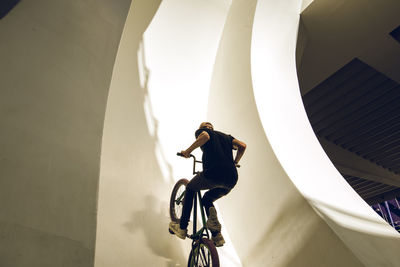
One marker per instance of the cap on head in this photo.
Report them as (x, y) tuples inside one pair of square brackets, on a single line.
[(206, 125)]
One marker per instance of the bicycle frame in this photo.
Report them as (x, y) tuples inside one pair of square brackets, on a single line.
[(202, 231)]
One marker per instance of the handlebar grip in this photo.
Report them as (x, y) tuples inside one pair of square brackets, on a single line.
[(181, 155)]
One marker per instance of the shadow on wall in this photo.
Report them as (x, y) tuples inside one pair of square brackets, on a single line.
[(298, 225), (156, 238), (136, 178), (304, 233)]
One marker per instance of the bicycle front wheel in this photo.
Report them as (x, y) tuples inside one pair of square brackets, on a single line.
[(176, 201), (203, 254)]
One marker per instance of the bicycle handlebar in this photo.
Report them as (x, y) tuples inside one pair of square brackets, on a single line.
[(192, 156), (181, 155)]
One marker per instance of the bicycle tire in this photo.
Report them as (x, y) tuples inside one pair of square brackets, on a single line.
[(203, 254), (175, 208)]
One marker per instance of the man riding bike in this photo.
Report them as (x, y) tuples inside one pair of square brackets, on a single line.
[(219, 175)]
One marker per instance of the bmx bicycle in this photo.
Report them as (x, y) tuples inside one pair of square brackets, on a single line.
[(203, 252)]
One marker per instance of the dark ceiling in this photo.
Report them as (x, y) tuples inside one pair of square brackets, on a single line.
[(6, 6), (358, 109)]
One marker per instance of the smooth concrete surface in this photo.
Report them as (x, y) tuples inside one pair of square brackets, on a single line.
[(56, 61)]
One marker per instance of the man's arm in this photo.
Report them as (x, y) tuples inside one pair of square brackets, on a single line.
[(201, 140), (241, 147)]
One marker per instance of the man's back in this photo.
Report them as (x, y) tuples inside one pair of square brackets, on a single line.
[(217, 156)]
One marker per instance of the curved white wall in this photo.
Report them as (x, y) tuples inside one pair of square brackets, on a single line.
[(182, 62), (270, 222), (286, 125), (56, 61)]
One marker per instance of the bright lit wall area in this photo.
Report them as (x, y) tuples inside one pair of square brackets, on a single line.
[(158, 98)]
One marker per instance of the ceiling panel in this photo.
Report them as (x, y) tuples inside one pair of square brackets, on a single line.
[(358, 109)]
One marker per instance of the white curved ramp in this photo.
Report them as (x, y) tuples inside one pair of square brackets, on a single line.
[(232, 63)]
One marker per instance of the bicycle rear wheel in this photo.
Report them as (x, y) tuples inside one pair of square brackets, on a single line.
[(176, 201), (203, 254)]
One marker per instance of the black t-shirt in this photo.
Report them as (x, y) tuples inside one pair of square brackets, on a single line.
[(217, 157)]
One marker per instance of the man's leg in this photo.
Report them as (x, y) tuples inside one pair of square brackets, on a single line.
[(212, 223), (213, 194), (199, 182)]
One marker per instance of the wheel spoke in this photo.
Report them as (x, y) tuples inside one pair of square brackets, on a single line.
[(179, 204), (197, 254), (205, 255), (177, 198)]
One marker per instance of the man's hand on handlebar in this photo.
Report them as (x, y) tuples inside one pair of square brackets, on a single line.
[(185, 154)]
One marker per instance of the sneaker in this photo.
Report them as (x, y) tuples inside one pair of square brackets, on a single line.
[(218, 240), (212, 222), (176, 228)]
